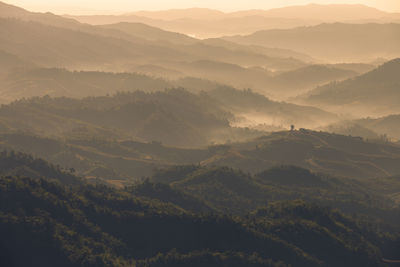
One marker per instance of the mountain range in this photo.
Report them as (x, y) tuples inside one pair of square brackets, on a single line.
[(373, 93), (334, 41), (138, 140), (206, 23)]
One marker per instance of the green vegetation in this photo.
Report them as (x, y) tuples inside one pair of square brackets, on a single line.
[(126, 144), (96, 226), (187, 222), (174, 117), (233, 191), (24, 165), (95, 152)]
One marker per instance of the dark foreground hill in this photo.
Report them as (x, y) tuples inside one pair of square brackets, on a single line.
[(233, 191), (44, 224), (24, 165), (184, 220)]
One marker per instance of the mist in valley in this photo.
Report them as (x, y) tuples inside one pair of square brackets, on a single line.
[(200, 137)]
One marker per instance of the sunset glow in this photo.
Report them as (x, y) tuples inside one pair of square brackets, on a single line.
[(122, 6)]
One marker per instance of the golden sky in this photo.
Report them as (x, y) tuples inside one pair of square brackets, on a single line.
[(123, 6)]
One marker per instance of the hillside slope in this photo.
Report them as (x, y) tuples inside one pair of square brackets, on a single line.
[(334, 42), (98, 226), (374, 92)]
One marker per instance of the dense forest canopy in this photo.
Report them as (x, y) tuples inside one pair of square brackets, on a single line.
[(197, 137), (92, 224)]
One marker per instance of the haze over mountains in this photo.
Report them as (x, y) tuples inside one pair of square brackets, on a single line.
[(196, 137), (323, 41), (177, 60), (377, 91), (206, 23), (33, 41)]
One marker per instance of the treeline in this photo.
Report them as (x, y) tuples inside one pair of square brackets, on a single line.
[(191, 215), (14, 163), (46, 224)]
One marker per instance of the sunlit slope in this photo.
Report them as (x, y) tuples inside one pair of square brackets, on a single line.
[(376, 91), (335, 42)]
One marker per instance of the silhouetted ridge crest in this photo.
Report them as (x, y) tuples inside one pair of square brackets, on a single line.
[(20, 164)]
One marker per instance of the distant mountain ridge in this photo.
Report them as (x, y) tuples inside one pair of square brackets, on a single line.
[(174, 14), (376, 91), (334, 42), (296, 81), (328, 12), (206, 23), (333, 12), (138, 143), (37, 37)]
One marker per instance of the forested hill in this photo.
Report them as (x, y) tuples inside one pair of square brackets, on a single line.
[(181, 217), (94, 152), (128, 144), (44, 224), (175, 117), (233, 191), (336, 154), (24, 165)]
